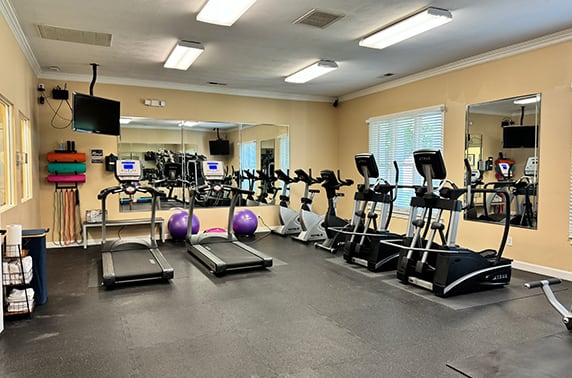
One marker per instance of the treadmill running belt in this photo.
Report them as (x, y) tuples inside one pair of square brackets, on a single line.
[(135, 263), (231, 254)]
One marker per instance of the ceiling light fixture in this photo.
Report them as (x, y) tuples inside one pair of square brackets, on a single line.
[(313, 71), (418, 23), (527, 100), (189, 123), (223, 12), (125, 121), (183, 55)]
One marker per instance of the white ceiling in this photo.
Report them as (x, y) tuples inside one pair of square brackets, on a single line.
[(253, 56)]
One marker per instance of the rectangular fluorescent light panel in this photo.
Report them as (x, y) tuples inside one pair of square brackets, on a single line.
[(419, 23), (527, 100), (189, 123), (183, 55), (125, 121), (223, 12), (311, 72)]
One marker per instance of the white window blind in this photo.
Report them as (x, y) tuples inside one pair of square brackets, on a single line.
[(284, 145), (248, 159), (394, 137)]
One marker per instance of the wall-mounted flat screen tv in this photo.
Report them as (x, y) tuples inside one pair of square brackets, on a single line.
[(219, 147), (95, 114), (519, 136)]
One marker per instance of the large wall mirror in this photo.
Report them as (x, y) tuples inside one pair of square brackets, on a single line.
[(501, 146), (172, 152)]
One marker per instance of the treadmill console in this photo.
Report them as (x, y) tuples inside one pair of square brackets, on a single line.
[(531, 166), (213, 170), (128, 170)]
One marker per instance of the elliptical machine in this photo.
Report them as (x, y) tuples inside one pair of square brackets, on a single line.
[(447, 269), (333, 223), (362, 245), (310, 222), (289, 218)]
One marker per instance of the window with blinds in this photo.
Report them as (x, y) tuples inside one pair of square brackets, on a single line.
[(248, 159), (284, 153), (7, 174), (394, 137)]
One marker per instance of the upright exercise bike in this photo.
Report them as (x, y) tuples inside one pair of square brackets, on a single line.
[(311, 223), (289, 218), (332, 223)]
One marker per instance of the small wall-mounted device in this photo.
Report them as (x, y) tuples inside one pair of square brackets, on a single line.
[(60, 94), (156, 103), (110, 162)]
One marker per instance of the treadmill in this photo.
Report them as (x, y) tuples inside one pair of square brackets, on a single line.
[(221, 251), (126, 260)]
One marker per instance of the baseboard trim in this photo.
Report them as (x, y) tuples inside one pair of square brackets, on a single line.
[(91, 242), (544, 270)]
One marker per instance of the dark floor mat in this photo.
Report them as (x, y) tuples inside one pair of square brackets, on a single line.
[(515, 290), (546, 357), (361, 269)]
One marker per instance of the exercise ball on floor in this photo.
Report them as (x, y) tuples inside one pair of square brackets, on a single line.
[(244, 222), (178, 223)]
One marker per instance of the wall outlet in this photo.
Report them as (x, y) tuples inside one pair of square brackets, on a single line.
[(509, 241)]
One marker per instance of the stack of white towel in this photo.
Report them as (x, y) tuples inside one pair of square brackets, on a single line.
[(12, 271), (17, 301)]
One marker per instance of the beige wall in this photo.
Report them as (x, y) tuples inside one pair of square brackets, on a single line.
[(547, 71), (18, 87), (316, 127), (311, 127)]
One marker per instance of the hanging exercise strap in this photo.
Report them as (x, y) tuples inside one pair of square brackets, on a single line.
[(78, 234), (57, 226)]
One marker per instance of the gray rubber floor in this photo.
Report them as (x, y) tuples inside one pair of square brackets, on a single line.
[(305, 317)]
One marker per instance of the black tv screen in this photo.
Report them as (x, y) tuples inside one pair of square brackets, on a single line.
[(219, 147), (95, 115), (519, 136)]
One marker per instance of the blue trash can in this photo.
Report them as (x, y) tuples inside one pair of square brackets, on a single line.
[(35, 242)]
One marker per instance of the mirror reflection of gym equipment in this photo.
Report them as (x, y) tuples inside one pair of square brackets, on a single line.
[(501, 146), (178, 149)]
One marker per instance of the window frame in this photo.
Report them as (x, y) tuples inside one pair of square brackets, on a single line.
[(244, 164), (23, 159), (8, 152), (407, 132)]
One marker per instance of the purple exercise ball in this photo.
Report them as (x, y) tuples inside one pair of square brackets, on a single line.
[(245, 222), (178, 223)]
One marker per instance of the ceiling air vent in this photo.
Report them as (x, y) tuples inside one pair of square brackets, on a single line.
[(318, 18), (72, 35)]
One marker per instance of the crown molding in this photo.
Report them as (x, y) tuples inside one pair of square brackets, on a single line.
[(10, 16), (183, 87), (504, 52)]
